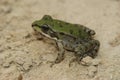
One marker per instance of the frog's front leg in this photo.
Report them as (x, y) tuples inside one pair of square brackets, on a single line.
[(61, 53)]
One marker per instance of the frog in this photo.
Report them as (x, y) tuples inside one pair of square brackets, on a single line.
[(76, 38)]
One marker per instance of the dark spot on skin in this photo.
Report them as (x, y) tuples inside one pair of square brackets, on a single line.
[(77, 42), (71, 31), (96, 51), (79, 32), (62, 33)]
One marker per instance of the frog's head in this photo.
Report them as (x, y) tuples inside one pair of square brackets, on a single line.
[(45, 29), (43, 25)]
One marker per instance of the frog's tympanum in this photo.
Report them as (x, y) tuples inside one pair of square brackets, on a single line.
[(72, 37)]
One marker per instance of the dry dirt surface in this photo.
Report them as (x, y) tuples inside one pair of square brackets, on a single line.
[(22, 57)]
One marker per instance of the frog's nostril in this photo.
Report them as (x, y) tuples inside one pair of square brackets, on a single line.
[(33, 25)]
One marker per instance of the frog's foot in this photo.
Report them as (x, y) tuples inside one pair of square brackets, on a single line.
[(60, 56), (88, 49), (78, 60), (61, 53), (52, 63), (58, 60)]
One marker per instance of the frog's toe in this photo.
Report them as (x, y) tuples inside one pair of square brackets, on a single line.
[(58, 60), (52, 63), (55, 62)]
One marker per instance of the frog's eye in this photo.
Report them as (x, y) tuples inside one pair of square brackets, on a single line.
[(45, 27)]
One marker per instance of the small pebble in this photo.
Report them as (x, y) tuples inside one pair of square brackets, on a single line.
[(87, 61)]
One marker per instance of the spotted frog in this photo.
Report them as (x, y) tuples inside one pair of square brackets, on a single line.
[(72, 37)]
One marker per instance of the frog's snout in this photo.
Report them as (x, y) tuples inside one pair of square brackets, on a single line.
[(33, 25)]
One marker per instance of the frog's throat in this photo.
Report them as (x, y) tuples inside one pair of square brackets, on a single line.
[(48, 36)]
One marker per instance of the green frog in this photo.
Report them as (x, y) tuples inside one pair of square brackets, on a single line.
[(72, 37)]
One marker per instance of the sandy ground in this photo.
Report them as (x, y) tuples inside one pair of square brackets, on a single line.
[(23, 57)]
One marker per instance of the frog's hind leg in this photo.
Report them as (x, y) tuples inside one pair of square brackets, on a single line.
[(88, 49), (61, 53), (93, 52)]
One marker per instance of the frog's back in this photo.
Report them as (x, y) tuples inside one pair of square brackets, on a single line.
[(76, 30)]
